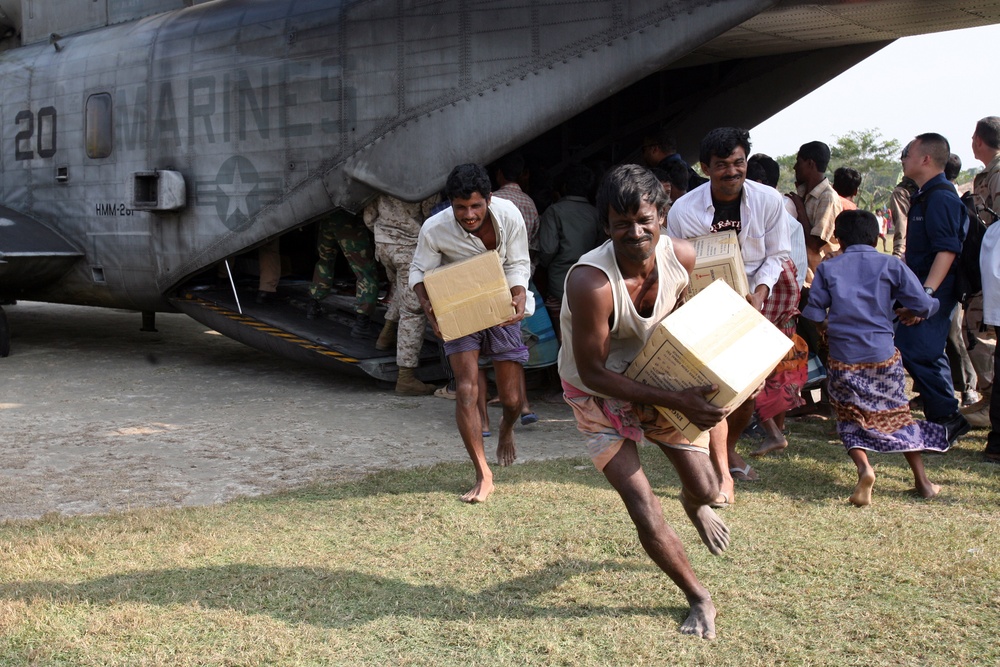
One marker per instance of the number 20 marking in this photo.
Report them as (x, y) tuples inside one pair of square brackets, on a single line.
[(45, 137)]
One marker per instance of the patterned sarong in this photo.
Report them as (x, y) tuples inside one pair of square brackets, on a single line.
[(782, 303), (783, 388), (873, 412), (608, 422)]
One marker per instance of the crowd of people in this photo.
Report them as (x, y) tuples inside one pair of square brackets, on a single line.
[(610, 264)]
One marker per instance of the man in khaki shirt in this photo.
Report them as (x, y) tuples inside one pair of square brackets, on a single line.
[(986, 194), (899, 209), (816, 202), (817, 206), (986, 186)]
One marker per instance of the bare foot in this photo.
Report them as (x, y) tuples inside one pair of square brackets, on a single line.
[(701, 620), (480, 492), (862, 495), (711, 528), (769, 445), (928, 491), (506, 450)]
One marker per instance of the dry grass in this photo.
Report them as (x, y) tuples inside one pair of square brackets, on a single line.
[(393, 570)]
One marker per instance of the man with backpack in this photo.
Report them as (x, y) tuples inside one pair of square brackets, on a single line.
[(936, 226)]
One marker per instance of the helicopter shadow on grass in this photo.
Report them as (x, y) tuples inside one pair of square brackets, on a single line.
[(335, 598)]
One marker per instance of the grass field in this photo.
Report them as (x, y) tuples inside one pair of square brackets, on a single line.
[(393, 570)]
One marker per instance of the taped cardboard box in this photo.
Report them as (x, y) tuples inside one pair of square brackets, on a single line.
[(470, 295), (715, 338), (718, 258)]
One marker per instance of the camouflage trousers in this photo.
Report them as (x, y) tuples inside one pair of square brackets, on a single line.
[(405, 307), (984, 348), (347, 231)]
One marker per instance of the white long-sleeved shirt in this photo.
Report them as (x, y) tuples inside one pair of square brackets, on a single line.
[(443, 241), (989, 264), (764, 234), (798, 239)]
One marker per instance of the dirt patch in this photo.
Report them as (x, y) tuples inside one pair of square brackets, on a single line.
[(97, 416)]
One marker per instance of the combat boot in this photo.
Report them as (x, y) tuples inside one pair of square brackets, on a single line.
[(387, 339), (409, 385), (313, 309), (978, 414), (363, 327)]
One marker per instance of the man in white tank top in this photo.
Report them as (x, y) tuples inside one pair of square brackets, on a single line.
[(615, 297)]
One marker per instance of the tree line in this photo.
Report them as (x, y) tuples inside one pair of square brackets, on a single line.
[(874, 157)]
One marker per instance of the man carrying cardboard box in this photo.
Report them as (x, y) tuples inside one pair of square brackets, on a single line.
[(475, 224), (615, 297), (757, 214)]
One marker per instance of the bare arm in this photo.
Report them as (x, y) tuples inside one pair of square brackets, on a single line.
[(425, 303), (813, 243), (590, 301), (518, 299), (939, 269)]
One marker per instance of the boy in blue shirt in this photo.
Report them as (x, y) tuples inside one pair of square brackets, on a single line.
[(855, 293)]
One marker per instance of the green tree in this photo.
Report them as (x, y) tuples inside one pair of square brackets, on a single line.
[(967, 175), (875, 158)]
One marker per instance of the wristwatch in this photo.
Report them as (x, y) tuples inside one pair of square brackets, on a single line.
[(928, 291)]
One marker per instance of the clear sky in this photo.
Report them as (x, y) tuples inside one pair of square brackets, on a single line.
[(919, 84)]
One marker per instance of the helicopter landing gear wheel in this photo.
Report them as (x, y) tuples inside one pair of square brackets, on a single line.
[(4, 335)]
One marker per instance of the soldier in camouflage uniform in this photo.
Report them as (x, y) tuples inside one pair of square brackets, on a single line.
[(396, 225), (986, 195), (348, 231)]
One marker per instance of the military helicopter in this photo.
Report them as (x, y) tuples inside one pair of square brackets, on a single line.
[(146, 143)]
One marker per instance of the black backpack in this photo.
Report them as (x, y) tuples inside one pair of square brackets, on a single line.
[(969, 279)]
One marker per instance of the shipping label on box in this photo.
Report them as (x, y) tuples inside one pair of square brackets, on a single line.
[(715, 338), (718, 258), (470, 295)]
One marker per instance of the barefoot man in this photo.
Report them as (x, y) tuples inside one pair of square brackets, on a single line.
[(477, 223), (615, 296)]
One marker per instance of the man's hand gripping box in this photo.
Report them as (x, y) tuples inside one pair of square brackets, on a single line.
[(470, 295), (715, 338)]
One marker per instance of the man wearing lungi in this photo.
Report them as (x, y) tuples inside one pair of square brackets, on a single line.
[(615, 297), (855, 293), (757, 215)]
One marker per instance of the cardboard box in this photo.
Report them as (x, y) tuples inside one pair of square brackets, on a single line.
[(715, 338), (470, 295), (718, 258)]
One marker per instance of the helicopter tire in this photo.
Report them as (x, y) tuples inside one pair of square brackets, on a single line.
[(4, 334)]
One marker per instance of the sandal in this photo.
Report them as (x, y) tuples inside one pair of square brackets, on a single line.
[(744, 474), (445, 392), (721, 501)]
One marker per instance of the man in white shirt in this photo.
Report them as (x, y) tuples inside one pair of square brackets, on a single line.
[(477, 223), (755, 212)]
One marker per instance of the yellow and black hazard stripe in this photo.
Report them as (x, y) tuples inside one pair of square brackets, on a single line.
[(267, 329)]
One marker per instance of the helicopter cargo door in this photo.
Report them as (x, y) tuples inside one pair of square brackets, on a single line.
[(32, 255)]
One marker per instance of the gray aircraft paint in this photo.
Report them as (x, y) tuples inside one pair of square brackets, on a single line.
[(277, 112)]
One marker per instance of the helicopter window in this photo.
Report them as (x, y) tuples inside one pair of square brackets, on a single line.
[(98, 131)]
